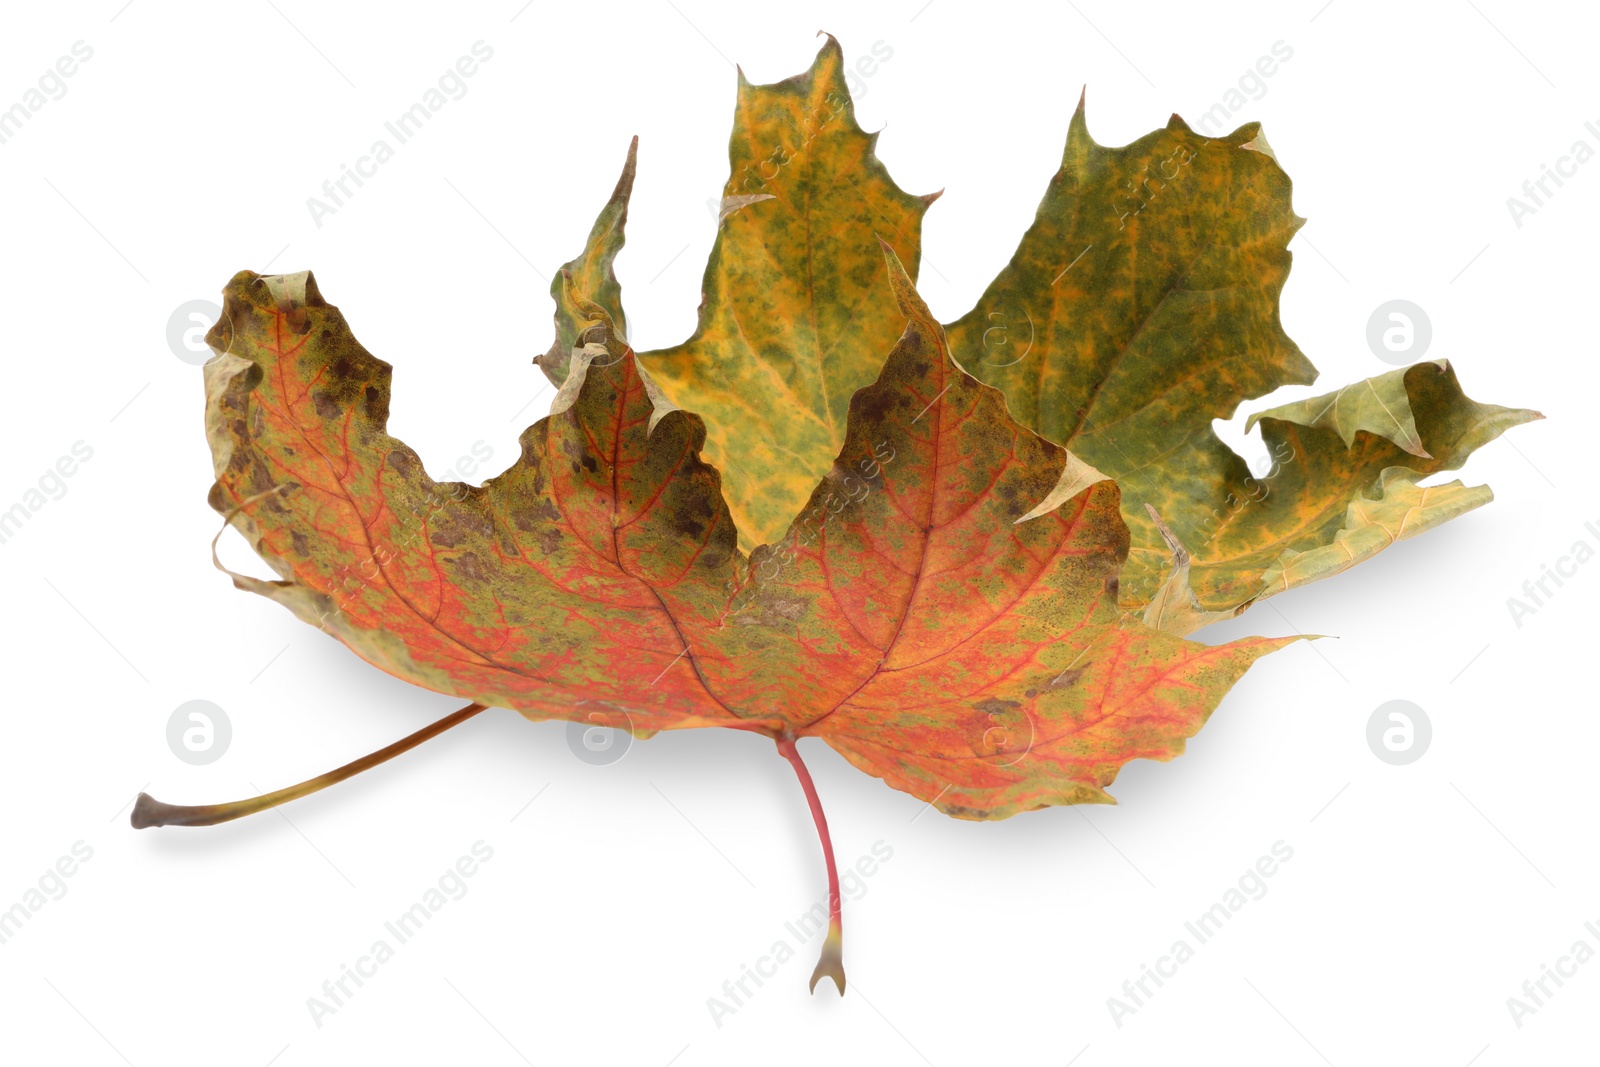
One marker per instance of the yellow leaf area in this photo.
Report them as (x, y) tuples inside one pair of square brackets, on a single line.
[(795, 314)]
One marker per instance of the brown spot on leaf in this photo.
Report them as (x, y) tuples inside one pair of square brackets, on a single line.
[(529, 519), (1067, 678), (773, 609), (470, 567)]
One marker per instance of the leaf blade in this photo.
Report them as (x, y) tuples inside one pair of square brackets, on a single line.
[(545, 590), (793, 317), (1141, 305), (592, 272)]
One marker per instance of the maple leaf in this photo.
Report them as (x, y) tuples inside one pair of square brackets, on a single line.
[(825, 514)]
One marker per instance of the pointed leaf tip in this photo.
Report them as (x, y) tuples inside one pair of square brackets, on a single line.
[(630, 166), (1078, 139), (593, 270), (911, 304)]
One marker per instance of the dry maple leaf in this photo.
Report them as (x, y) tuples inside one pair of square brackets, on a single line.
[(897, 565)]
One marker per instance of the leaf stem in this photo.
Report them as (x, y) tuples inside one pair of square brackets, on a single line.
[(831, 962), (148, 811)]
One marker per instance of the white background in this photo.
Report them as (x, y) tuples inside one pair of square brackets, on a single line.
[(1418, 898)]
